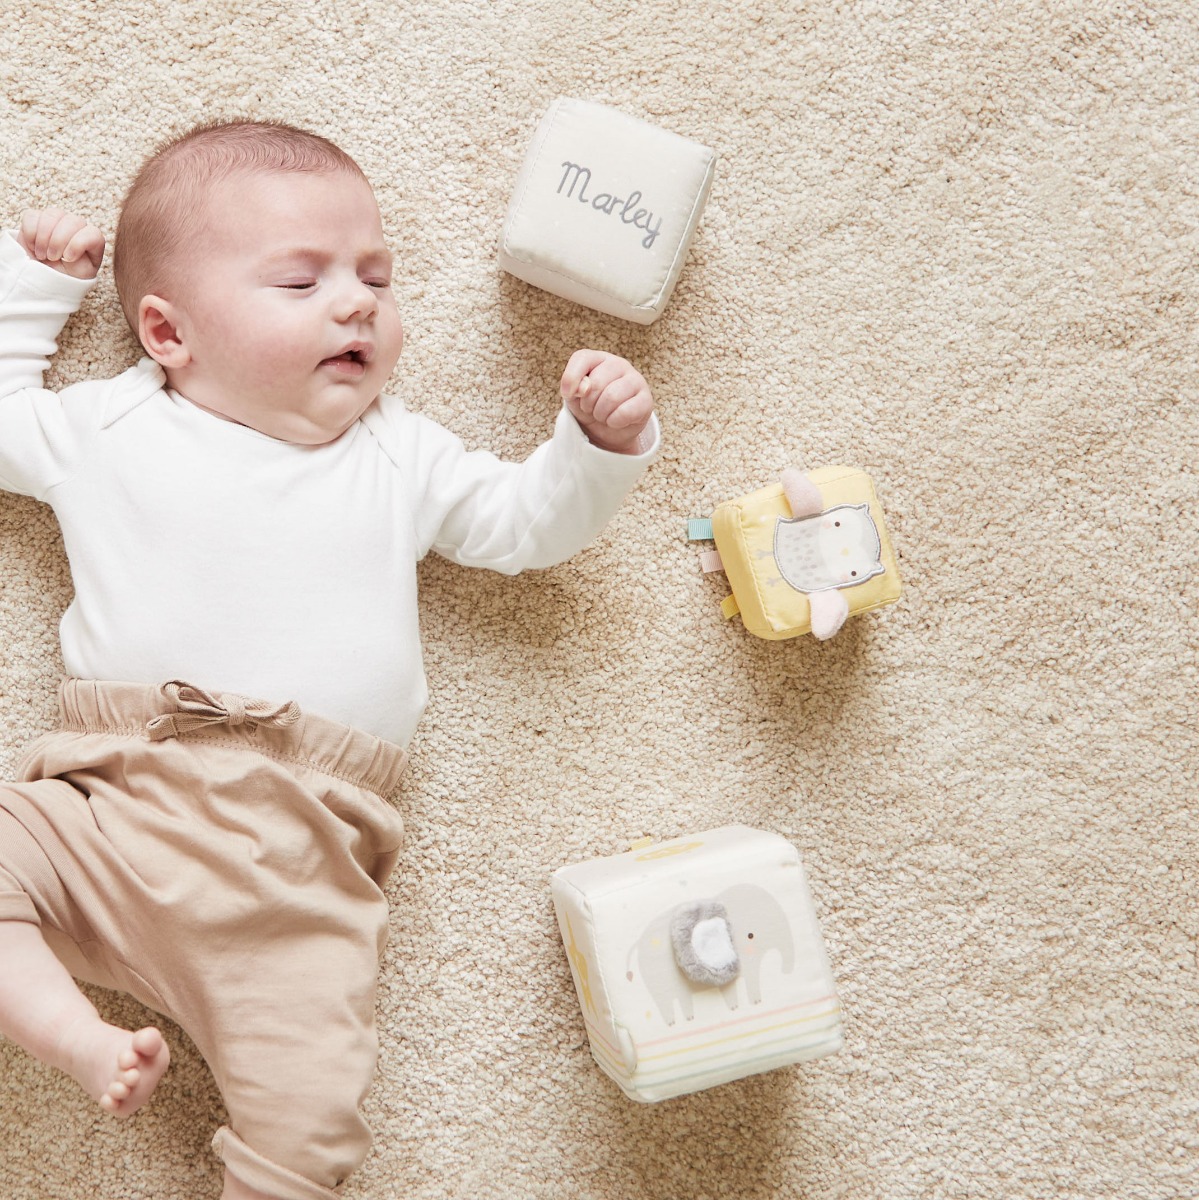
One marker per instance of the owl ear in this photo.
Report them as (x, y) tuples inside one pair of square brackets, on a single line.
[(802, 494)]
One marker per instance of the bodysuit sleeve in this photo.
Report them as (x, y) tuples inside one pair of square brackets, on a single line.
[(41, 433), (475, 509)]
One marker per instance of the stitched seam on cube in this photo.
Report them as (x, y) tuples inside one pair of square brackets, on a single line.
[(535, 155), (701, 196)]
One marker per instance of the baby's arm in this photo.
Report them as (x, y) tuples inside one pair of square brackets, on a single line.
[(479, 511), (63, 241), (47, 266), (609, 399), (40, 289)]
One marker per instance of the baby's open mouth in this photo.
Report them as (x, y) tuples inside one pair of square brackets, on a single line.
[(353, 359)]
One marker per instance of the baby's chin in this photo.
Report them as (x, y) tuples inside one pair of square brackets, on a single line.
[(325, 420), (299, 429), (310, 434)]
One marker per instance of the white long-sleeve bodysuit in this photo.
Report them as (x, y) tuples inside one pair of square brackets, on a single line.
[(203, 550)]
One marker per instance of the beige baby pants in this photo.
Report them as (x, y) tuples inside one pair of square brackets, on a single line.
[(222, 861)]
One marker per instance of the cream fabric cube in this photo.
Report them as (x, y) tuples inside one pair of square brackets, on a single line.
[(697, 961), (604, 209)]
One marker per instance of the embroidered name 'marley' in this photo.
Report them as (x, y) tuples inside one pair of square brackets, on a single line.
[(606, 202)]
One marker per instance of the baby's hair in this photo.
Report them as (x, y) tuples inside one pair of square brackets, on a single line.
[(164, 205)]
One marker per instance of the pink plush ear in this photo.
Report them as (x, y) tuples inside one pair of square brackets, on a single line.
[(802, 494), (829, 610)]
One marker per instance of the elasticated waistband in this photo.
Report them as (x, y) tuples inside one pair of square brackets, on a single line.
[(189, 713)]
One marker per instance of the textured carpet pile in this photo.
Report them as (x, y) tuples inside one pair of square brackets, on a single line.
[(953, 244)]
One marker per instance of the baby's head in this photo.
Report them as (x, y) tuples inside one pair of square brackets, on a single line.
[(250, 262), (165, 209)]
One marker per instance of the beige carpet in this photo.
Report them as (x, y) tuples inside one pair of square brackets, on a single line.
[(954, 244)]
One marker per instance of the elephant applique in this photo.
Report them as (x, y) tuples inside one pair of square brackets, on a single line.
[(718, 942)]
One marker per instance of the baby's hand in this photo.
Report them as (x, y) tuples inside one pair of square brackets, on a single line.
[(609, 399), (63, 241)]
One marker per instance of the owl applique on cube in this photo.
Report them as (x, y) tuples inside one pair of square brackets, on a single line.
[(803, 555)]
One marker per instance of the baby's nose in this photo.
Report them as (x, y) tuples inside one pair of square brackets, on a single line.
[(357, 300)]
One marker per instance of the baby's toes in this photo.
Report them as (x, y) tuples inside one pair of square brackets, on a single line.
[(148, 1042)]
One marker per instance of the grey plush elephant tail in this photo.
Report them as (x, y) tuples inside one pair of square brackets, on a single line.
[(703, 943)]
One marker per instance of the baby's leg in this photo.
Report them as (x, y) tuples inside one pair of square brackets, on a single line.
[(286, 1020), (44, 1012), (293, 1051), (41, 1008)]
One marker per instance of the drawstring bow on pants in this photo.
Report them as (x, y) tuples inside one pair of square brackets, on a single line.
[(195, 708)]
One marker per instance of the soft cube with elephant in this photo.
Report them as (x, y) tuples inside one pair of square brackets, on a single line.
[(697, 961)]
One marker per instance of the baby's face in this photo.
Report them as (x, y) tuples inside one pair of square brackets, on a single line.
[(286, 309)]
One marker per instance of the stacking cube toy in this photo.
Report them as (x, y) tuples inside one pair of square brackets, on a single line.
[(804, 554), (604, 209), (697, 961)]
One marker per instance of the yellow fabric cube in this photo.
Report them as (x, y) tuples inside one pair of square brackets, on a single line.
[(779, 565)]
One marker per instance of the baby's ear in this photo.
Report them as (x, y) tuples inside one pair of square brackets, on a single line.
[(158, 331)]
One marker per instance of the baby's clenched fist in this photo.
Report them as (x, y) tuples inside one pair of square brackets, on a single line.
[(63, 241), (609, 398)]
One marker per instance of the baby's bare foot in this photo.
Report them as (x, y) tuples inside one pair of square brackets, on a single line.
[(118, 1069)]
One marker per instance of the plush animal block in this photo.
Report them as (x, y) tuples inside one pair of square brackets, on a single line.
[(803, 555), (697, 961), (604, 209)]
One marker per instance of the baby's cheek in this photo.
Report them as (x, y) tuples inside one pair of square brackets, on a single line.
[(268, 372), (391, 339)]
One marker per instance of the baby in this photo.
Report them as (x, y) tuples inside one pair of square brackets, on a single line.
[(243, 512)]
